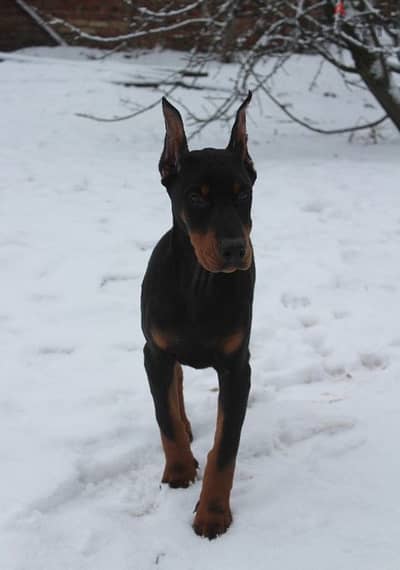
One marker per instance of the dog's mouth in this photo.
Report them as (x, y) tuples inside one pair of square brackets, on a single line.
[(210, 257), (232, 269), (244, 266)]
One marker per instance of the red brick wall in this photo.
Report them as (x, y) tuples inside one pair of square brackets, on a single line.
[(100, 17), (17, 29)]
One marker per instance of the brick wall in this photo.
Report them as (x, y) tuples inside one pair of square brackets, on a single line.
[(17, 29), (101, 17), (107, 17)]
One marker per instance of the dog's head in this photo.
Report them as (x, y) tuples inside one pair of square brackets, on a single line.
[(211, 192)]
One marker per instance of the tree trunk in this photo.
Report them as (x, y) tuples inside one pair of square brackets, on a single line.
[(379, 79), (372, 67), (228, 46)]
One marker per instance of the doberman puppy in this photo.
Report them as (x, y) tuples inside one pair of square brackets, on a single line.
[(197, 299)]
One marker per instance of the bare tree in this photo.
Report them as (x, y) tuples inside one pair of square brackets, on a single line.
[(372, 40), (361, 38), (355, 36)]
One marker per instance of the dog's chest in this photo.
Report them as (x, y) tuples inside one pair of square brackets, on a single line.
[(200, 339), (200, 351)]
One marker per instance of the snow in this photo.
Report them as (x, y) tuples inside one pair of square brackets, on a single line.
[(316, 486)]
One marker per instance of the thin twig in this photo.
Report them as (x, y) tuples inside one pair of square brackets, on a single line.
[(318, 129), (123, 117), (117, 48), (131, 35)]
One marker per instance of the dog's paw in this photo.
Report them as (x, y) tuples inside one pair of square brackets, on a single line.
[(212, 520), (180, 474)]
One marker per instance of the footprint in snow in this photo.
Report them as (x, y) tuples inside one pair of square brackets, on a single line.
[(308, 320), (373, 360), (56, 350), (128, 347), (334, 369), (126, 482), (292, 301), (144, 245), (340, 314), (311, 374), (349, 255), (300, 429), (314, 206), (117, 278), (44, 298)]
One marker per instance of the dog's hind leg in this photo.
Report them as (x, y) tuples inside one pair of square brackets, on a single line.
[(165, 379)]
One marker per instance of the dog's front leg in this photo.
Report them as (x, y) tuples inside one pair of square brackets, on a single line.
[(213, 514), (165, 384)]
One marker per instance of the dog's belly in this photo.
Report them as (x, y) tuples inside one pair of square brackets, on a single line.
[(196, 355)]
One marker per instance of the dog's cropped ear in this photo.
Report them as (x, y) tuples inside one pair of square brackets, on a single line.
[(175, 144), (238, 140)]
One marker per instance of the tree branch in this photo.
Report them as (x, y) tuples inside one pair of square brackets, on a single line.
[(317, 129)]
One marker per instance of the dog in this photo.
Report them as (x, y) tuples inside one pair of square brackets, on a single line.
[(197, 297)]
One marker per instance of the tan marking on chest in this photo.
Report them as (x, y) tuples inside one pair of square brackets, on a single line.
[(232, 343), (204, 190), (160, 338), (236, 188)]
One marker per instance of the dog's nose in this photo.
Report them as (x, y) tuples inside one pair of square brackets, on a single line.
[(233, 251)]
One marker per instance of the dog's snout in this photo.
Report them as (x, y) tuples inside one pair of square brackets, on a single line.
[(233, 250)]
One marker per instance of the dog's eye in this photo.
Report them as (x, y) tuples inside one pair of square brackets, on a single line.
[(196, 199)]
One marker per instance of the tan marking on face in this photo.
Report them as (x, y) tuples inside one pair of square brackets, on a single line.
[(249, 248), (204, 190), (206, 249), (232, 343)]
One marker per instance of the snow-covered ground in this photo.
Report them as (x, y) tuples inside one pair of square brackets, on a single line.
[(317, 482)]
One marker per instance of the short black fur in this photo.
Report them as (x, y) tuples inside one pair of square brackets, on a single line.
[(197, 292)]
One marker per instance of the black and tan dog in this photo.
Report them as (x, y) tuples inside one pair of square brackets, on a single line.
[(197, 299)]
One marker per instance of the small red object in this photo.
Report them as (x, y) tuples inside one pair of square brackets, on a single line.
[(339, 8)]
